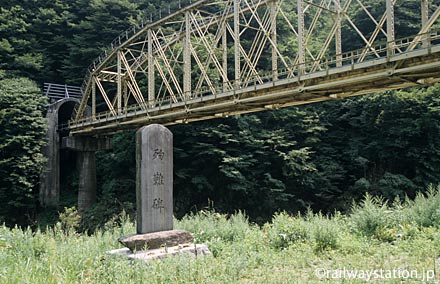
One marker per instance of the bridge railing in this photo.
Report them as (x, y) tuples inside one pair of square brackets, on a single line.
[(351, 58), (56, 92), (381, 50)]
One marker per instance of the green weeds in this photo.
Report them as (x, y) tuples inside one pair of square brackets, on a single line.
[(289, 249)]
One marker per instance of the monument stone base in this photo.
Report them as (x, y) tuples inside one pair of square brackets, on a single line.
[(159, 245), (192, 250), (156, 240)]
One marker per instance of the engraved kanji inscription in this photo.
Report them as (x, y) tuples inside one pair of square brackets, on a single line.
[(158, 204), (158, 179), (158, 154)]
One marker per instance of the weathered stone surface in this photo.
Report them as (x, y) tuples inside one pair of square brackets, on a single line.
[(50, 177), (193, 250), (156, 240), (86, 165), (154, 179)]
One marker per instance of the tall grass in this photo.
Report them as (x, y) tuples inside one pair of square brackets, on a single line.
[(285, 230), (374, 217), (286, 250)]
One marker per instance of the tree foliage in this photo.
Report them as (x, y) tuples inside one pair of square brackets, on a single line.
[(22, 128), (320, 156)]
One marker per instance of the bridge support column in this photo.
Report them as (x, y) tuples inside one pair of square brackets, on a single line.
[(86, 165), (50, 177), (57, 113)]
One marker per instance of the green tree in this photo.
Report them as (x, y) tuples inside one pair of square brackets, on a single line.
[(22, 131), (53, 27), (17, 41), (385, 143), (99, 22), (258, 163)]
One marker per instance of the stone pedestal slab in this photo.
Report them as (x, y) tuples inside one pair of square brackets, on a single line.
[(192, 250), (156, 240)]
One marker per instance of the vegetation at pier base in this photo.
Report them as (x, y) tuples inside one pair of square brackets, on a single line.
[(403, 235)]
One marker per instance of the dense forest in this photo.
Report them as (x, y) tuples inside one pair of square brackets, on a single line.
[(320, 156)]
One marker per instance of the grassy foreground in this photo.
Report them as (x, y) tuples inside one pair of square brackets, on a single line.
[(376, 243)]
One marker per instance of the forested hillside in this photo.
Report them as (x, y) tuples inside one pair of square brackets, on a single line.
[(320, 156)]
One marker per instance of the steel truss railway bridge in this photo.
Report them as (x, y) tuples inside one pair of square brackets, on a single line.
[(216, 58)]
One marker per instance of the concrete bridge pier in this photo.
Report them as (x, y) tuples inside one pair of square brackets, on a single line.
[(58, 114), (86, 165), (86, 148), (50, 177)]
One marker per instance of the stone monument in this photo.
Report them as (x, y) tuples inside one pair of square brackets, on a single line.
[(155, 236), (154, 179)]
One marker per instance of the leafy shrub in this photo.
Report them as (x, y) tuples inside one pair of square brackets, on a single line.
[(286, 230), (324, 231), (101, 214), (424, 210), (215, 229), (372, 218), (207, 225), (69, 219), (121, 224), (407, 231)]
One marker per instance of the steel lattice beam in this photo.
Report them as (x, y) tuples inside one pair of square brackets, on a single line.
[(214, 58)]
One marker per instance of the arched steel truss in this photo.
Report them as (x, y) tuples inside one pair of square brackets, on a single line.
[(217, 58)]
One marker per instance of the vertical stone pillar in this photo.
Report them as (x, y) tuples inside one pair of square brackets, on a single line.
[(86, 164), (50, 177), (154, 179)]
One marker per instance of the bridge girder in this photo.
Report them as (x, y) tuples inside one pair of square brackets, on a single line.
[(217, 58)]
